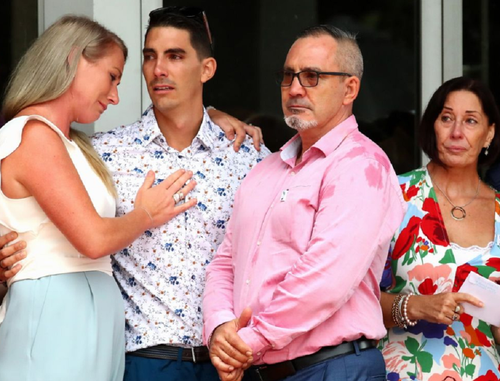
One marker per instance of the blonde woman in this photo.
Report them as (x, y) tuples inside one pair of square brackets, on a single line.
[(62, 318)]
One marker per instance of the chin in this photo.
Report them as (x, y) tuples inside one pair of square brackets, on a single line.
[(299, 124)]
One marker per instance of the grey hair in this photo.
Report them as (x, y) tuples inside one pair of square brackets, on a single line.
[(349, 57)]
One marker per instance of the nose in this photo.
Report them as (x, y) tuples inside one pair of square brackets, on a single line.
[(296, 89), (457, 129), (113, 97), (159, 69)]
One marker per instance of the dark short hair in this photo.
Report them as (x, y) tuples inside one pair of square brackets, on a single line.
[(427, 134), (197, 33), (349, 57)]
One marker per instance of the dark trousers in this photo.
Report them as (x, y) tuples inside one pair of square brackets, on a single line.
[(145, 369), (367, 365)]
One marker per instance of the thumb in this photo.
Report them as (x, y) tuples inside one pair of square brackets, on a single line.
[(148, 180), (244, 318)]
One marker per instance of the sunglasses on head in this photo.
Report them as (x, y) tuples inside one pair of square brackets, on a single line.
[(195, 13)]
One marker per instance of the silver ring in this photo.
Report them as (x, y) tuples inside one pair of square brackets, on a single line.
[(176, 197), (457, 309), (455, 317), (181, 195)]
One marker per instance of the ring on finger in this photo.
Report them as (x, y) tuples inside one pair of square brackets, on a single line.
[(455, 317), (457, 309), (181, 195), (176, 197)]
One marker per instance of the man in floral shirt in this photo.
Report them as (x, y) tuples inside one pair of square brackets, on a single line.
[(162, 274)]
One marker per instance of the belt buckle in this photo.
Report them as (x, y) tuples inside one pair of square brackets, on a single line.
[(194, 356)]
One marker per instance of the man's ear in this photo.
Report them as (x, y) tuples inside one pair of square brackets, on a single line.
[(352, 85), (209, 66)]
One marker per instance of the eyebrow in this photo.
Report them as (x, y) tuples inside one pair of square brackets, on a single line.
[(309, 68), (466, 111), (119, 71), (168, 51)]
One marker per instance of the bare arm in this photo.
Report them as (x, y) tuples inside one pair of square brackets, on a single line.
[(51, 178), (438, 308)]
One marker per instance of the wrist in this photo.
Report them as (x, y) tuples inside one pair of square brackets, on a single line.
[(145, 216)]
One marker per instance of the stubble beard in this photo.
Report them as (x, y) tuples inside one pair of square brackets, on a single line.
[(298, 124)]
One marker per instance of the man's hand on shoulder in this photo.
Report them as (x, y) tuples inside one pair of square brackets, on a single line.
[(233, 126), (230, 355)]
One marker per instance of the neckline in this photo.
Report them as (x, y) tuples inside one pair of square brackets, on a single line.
[(442, 224)]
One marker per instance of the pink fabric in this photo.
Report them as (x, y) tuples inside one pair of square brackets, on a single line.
[(306, 246)]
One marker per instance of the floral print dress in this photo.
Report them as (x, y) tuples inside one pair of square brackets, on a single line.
[(422, 261)]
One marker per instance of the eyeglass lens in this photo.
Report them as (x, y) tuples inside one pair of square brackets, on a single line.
[(306, 78)]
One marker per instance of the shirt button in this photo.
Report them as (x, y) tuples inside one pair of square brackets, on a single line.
[(292, 173), (258, 243), (258, 353), (248, 281)]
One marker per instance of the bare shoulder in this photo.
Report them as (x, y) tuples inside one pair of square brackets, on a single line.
[(35, 129)]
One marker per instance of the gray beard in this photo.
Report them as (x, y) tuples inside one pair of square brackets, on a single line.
[(298, 124)]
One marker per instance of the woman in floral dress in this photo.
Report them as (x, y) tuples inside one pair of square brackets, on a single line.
[(452, 227)]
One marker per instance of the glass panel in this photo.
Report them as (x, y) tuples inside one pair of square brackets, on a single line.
[(481, 52), (18, 28), (481, 42)]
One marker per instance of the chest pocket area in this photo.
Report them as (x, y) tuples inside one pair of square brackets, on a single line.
[(292, 215)]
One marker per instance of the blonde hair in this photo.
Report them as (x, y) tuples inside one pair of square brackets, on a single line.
[(49, 66)]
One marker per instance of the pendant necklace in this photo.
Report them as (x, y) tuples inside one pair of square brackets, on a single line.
[(458, 212)]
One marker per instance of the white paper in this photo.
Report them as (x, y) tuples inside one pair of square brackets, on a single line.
[(486, 291)]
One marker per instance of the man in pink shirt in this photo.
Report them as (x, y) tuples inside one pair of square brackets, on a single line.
[(294, 287)]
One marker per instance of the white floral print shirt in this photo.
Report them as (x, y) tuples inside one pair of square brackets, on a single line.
[(162, 274)]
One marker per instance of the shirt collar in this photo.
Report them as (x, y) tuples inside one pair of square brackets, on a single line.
[(149, 131), (327, 144)]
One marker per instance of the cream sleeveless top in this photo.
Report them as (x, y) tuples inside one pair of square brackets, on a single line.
[(48, 250)]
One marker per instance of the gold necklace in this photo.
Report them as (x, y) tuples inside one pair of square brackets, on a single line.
[(457, 208)]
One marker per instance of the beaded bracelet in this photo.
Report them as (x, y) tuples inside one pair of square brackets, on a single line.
[(407, 320), (397, 317)]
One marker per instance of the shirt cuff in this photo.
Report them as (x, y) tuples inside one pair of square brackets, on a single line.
[(257, 343)]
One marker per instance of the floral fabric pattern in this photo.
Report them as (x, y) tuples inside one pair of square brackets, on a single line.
[(162, 274), (422, 261)]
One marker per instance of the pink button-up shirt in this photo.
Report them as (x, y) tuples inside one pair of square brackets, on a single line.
[(306, 246)]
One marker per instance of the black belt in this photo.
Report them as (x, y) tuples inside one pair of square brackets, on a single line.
[(281, 370), (170, 352)]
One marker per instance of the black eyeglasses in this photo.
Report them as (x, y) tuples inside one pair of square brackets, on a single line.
[(307, 78), (195, 13)]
